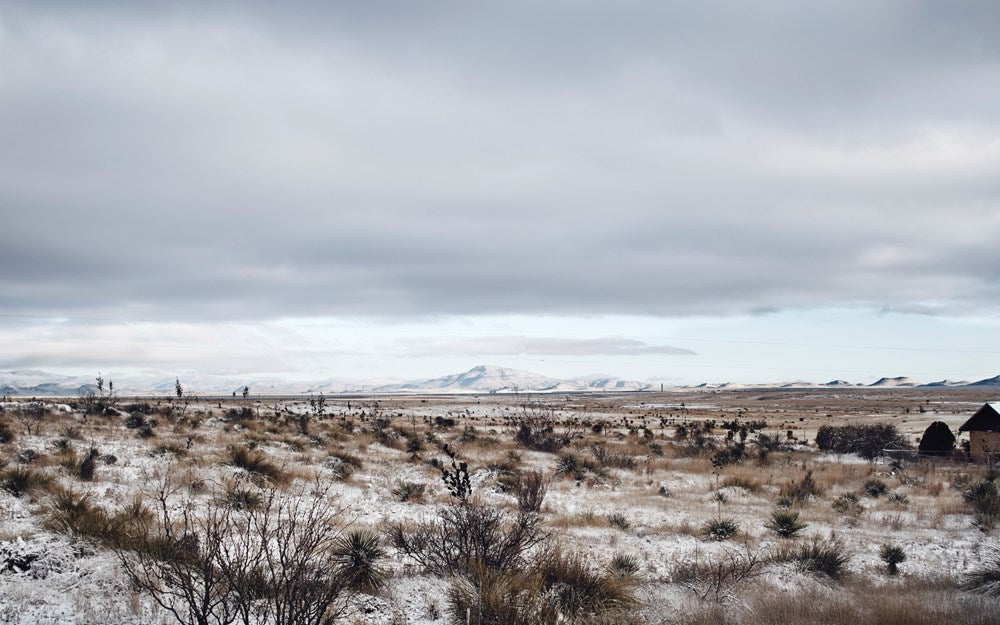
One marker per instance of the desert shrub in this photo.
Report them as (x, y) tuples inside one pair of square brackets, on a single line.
[(985, 579), (408, 491), (785, 523), (6, 432), (802, 490), (456, 478), (239, 414), (240, 497), (569, 463), (823, 557), (719, 573), (357, 556), (892, 555), (28, 456), (745, 482), (255, 462), (611, 458), (71, 512), (542, 439), (983, 498), (530, 489), (897, 499), (618, 520), (868, 440), (937, 440), (579, 590), (874, 487), (848, 504), (89, 465), (720, 528), (205, 563), (135, 421), (469, 535), (572, 465), (560, 589), (170, 448), (19, 481)]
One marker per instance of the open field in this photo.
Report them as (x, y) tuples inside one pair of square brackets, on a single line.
[(618, 508)]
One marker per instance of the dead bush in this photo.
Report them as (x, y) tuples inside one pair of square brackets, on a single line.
[(468, 535)]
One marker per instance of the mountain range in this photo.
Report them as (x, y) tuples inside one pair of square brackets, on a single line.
[(480, 379)]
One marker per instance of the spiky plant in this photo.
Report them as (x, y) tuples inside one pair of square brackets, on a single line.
[(358, 554), (785, 523), (892, 555)]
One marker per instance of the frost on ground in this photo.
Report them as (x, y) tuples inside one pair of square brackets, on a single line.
[(669, 502)]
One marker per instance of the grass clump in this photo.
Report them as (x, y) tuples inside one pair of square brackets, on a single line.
[(19, 481), (558, 589), (875, 487), (255, 462), (617, 520), (802, 490), (828, 558), (530, 489)]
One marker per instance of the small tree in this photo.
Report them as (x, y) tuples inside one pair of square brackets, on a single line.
[(937, 440)]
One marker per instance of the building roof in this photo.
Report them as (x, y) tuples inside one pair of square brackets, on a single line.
[(986, 419)]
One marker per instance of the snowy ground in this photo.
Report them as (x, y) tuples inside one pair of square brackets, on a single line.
[(49, 577)]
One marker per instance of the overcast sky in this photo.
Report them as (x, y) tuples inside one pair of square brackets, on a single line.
[(692, 192)]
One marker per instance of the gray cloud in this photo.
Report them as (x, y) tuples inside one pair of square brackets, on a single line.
[(537, 346), (268, 160)]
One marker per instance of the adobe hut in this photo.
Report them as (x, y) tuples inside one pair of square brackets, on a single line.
[(984, 430)]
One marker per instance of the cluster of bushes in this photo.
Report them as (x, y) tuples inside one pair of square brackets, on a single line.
[(868, 440), (508, 570)]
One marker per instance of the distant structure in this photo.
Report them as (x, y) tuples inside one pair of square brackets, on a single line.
[(984, 430)]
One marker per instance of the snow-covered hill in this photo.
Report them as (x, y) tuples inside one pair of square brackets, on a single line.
[(479, 379)]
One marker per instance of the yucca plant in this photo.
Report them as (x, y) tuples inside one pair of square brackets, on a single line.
[(892, 555), (785, 523), (720, 529), (358, 554)]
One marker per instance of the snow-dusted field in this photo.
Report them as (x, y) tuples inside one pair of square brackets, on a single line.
[(654, 509)]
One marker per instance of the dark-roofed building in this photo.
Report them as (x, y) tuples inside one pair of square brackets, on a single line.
[(984, 430)]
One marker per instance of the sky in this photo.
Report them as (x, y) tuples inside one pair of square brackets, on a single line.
[(680, 192)]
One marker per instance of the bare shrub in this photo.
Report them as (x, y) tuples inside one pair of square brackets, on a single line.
[(469, 535), (718, 575), (207, 563), (530, 489)]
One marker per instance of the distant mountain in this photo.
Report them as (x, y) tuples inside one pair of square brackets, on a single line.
[(895, 382), (480, 379), (994, 381)]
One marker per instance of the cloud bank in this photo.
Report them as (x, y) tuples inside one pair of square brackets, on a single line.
[(248, 161)]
